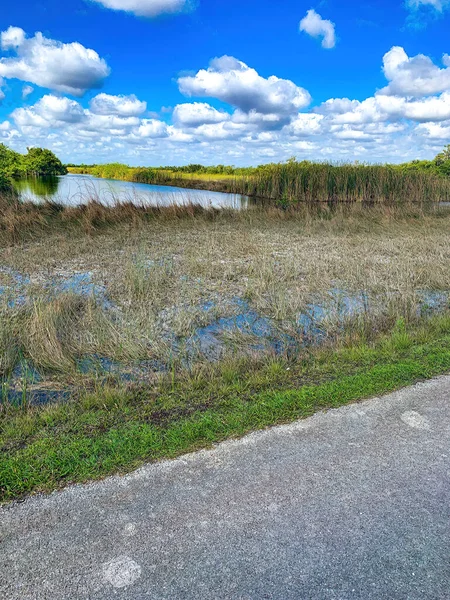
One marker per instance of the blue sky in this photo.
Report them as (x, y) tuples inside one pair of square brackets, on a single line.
[(238, 82)]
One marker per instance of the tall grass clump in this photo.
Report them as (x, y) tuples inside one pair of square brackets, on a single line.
[(294, 182), (20, 221)]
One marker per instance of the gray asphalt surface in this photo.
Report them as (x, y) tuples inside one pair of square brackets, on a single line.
[(353, 503)]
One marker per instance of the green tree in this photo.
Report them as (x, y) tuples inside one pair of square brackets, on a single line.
[(443, 156), (42, 162), (11, 163)]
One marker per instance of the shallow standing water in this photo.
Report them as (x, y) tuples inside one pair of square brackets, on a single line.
[(72, 190), (254, 331), (234, 323)]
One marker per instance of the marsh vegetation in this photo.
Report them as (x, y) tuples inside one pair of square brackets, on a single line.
[(291, 183), (129, 332)]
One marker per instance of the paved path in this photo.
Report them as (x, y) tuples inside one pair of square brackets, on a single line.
[(353, 503)]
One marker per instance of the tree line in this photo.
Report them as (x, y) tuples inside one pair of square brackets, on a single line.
[(38, 162)]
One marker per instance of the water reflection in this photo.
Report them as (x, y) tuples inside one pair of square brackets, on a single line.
[(72, 190), (40, 187)]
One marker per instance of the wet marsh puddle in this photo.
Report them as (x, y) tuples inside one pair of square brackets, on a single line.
[(16, 288), (246, 329)]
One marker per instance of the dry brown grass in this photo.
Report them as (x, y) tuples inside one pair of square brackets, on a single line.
[(159, 272), (20, 221)]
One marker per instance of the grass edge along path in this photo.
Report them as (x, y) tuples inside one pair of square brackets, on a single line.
[(56, 458)]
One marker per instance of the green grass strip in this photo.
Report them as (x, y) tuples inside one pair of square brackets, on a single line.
[(44, 450)]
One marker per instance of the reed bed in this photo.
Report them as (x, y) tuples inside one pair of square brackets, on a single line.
[(291, 183)]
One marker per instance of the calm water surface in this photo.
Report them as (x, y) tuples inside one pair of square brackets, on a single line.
[(72, 190)]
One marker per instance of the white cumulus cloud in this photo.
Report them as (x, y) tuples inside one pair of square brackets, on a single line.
[(64, 114), (124, 106), (232, 81), (382, 108), (26, 91), (146, 8), (436, 131), (13, 37), (306, 124), (193, 114), (220, 131), (347, 111), (433, 108), (49, 111), (416, 76), (69, 68), (152, 128), (315, 26)]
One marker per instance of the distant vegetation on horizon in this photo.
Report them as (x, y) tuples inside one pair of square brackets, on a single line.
[(440, 165), (291, 182), (286, 183)]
